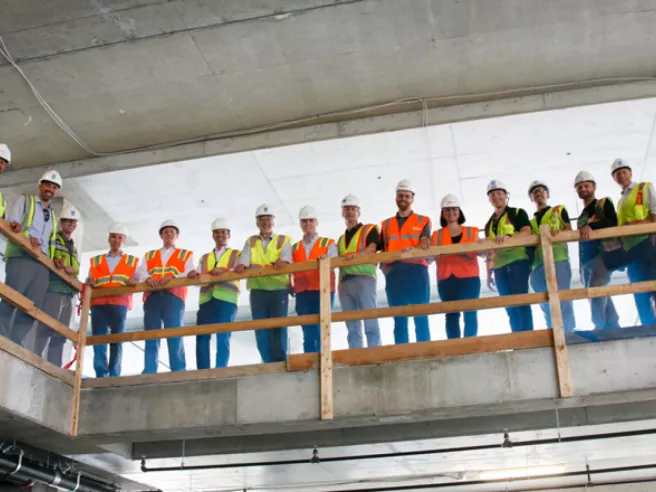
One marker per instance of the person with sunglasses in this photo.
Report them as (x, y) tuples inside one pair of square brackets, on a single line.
[(34, 217)]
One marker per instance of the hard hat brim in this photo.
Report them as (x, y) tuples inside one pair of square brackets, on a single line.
[(495, 189), (532, 189), (621, 167), (49, 181), (172, 226)]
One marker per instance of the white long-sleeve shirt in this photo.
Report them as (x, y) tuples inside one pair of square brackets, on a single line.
[(141, 274)]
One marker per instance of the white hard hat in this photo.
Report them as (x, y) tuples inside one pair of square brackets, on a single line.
[(220, 223), (405, 185), (263, 210), (350, 201), (51, 176), (5, 153), (169, 223), (450, 201), (536, 184), (495, 184), (619, 164), (582, 177), (69, 212), (307, 212), (118, 228)]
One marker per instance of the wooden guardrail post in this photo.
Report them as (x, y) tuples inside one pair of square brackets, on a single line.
[(79, 367), (560, 346), (326, 366)]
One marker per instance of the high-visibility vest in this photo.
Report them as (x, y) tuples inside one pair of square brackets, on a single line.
[(553, 217), (357, 244), (26, 222), (409, 236), (123, 272), (3, 205), (304, 281), (503, 257), (224, 291), (261, 258), (174, 267), (607, 245), (460, 266), (633, 210), (56, 284)]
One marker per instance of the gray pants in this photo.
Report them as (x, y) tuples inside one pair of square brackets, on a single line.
[(595, 274), (60, 307), (359, 292), (30, 278)]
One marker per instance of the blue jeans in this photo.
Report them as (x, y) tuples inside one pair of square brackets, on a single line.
[(594, 273), (164, 309), (639, 271), (407, 284), (513, 279), (457, 289), (210, 312), (265, 304), (105, 319), (564, 279), (308, 303), (359, 292)]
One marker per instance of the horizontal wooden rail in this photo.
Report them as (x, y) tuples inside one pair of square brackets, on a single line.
[(416, 253), (28, 307), (427, 350), (24, 243), (34, 360)]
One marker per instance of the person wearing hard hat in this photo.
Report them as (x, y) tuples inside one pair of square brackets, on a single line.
[(407, 281), (637, 205), (458, 276), (58, 301), (357, 283), (218, 301), (34, 217), (269, 296), (164, 307), (108, 313), (594, 255), (5, 159), (307, 286), (508, 268), (558, 220)]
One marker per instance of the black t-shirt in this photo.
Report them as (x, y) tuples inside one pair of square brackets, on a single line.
[(519, 220), (372, 237), (456, 239), (540, 213), (589, 217)]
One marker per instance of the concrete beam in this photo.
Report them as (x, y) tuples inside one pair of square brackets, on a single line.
[(342, 127)]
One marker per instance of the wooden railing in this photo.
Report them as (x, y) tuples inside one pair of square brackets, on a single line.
[(554, 337)]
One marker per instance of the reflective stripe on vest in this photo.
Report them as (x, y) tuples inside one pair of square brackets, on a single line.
[(408, 236), (503, 257), (357, 244), (225, 291), (3, 205), (261, 257), (633, 210), (461, 266), (26, 222), (309, 281), (174, 266), (554, 218), (124, 271)]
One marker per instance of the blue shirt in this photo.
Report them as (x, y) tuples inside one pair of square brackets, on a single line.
[(40, 228)]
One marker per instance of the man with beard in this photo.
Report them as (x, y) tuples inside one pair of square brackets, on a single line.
[(407, 281), (596, 214), (33, 216)]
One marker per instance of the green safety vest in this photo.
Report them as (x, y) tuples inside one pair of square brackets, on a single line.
[(56, 284), (3, 205), (634, 210), (357, 244), (261, 258), (553, 217), (224, 291), (12, 250), (503, 257)]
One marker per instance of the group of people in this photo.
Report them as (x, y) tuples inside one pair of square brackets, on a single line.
[(407, 281)]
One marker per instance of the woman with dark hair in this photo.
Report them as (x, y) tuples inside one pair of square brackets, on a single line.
[(458, 276)]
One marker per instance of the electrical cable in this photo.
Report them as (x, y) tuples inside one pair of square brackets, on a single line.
[(4, 51)]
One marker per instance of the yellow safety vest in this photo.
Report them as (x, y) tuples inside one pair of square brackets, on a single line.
[(3, 205), (553, 217), (503, 257), (224, 291), (357, 244), (56, 284), (261, 257), (12, 250), (634, 210)]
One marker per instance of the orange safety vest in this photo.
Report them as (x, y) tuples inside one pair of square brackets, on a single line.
[(310, 280), (174, 267), (104, 278), (408, 237), (461, 266)]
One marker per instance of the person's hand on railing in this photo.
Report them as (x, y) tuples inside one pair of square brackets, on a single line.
[(584, 233), (36, 244), (555, 232), (240, 268), (59, 263), (280, 263), (215, 272), (130, 283), (163, 281), (15, 226), (92, 282), (152, 282), (491, 284), (425, 243), (193, 274), (501, 239), (351, 256), (69, 270)]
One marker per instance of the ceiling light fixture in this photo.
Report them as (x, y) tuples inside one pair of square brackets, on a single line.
[(511, 473)]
